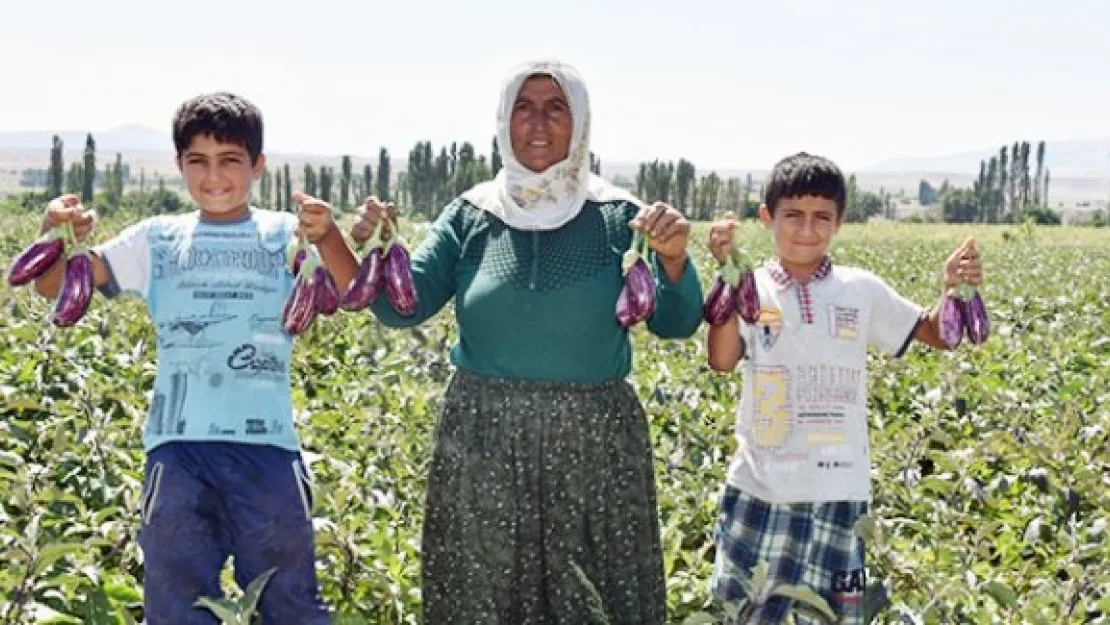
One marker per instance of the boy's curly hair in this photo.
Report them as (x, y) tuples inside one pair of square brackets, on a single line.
[(226, 117), (804, 174)]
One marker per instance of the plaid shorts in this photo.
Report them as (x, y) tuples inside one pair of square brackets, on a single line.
[(803, 543)]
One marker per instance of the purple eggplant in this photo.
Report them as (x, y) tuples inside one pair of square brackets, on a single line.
[(720, 302), (368, 282), (733, 291), (747, 296), (327, 296), (641, 289), (723, 298), (975, 319), (639, 285), (37, 258), (298, 260), (399, 286), (77, 290), (300, 308), (952, 320), (297, 254), (625, 313)]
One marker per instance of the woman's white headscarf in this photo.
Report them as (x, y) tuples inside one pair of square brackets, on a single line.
[(540, 201)]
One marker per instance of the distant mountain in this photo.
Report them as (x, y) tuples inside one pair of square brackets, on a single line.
[(1073, 158), (128, 138), (142, 146)]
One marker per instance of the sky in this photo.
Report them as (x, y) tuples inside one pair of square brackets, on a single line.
[(724, 83)]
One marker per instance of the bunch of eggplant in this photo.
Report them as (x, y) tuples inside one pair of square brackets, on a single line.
[(733, 290), (387, 264), (963, 311), (314, 292), (76, 291), (636, 301)]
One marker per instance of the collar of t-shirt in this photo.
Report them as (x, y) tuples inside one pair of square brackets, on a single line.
[(784, 281)]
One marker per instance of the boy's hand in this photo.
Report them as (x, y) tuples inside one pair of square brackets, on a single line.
[(720, 236), (65, 209), (315, 217), (667, 230), (372, 212), (964, 265)]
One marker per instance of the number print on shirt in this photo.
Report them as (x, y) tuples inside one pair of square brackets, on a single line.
[(771, 423)]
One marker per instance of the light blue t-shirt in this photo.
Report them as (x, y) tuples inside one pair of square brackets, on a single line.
[(215, 292)]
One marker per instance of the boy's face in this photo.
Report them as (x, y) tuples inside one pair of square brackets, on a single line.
[(803, 228), (219, 176)]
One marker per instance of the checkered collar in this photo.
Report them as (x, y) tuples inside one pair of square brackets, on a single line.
[(784, 280)]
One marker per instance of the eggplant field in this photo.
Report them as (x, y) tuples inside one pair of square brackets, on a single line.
[(991, 463)]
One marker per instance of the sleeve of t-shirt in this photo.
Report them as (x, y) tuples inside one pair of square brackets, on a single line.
[(893, 320), (127, 257)]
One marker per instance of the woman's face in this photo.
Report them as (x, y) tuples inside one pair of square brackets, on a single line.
[(540, 125)]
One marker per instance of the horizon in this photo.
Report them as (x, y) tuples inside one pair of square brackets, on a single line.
[(367, 156)]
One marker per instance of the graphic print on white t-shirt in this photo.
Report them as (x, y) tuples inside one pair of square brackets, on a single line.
[(844, 322), (802, 419)]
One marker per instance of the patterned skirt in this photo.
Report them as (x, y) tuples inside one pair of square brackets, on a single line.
[(541, 507)]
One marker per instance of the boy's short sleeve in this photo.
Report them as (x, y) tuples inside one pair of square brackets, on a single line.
[(127, 257), (893, 319)]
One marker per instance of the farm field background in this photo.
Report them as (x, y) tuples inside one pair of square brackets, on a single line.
[(992, 469)]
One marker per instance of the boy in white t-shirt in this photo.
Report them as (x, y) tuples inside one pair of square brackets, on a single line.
[(800, 478)]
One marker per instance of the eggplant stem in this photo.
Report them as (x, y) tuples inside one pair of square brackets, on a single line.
[(964, 290), (646, 254), (375, 240), (72, 246), (395, 238)]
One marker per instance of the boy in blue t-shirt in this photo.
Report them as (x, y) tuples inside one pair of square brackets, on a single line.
[(224, 475)]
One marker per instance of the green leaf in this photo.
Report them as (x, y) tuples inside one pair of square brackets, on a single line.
[(254, 592), (875, 600), (125, 616), (50, 554), (225, 609), (42, 614), (11, 459), (122, 593), (806, 595), (866, 529)]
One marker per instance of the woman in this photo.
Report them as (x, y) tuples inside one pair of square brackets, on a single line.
[(542, 463)]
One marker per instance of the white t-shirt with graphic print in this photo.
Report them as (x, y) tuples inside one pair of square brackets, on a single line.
[(802, 418), (215, 292)]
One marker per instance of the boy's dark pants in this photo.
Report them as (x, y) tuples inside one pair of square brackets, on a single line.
[(204, 501)]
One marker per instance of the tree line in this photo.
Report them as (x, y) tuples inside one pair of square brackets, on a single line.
[(709, 196), (1009, 189), (1011, 186)]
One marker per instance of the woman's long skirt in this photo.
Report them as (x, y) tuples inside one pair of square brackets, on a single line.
[(541, 507)]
